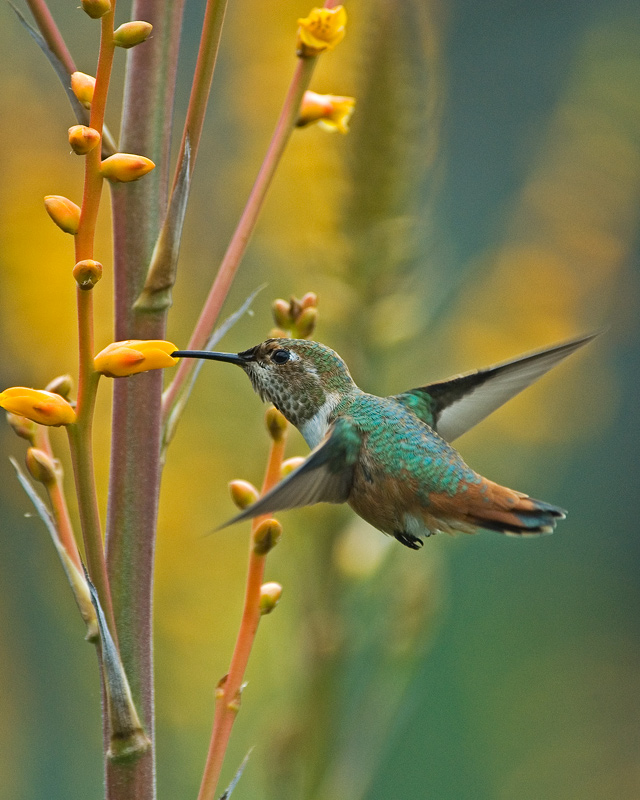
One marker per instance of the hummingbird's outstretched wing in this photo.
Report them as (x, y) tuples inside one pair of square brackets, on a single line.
[(325, 476), (454, 406)]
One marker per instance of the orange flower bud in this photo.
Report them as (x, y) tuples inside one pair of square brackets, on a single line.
[(41, 466), (87, 273), (83, 86), (266, 536), (289, 465), (270, 594), (61, 385), (306, 323), (125, 167), (276, 423), (45, 408), (132, 33), (121, 359), (96, 8), (310, 300), (330, 111), (281, 313), (63, 212), (83, 139), (23, 427), (243, 493), (322, 30)]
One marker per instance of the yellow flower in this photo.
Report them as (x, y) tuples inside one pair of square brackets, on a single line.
[(132, 33), (329, 110), (121, 359), (83, 86), (45, 408), (64, 212), (83, 139), (322, 30), (125, 167)]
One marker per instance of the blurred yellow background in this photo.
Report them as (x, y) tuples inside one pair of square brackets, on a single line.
[(486, 202)]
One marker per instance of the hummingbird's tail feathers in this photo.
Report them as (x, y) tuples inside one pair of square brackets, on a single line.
[(454, 406), (526, 517)]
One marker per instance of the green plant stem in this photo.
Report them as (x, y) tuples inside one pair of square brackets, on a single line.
[(82, 460), (230, 688), (138, 210), (80, 433), (240, 239), (49, 30)]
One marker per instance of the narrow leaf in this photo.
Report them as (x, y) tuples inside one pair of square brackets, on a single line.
[(128, 739), (216, 336), (74, 576), (161, 276), (81, 113), (236, 777)]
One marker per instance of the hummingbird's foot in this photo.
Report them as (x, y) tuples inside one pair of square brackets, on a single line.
[(408, 540)]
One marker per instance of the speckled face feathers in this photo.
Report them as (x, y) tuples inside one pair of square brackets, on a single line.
[(296, 375)]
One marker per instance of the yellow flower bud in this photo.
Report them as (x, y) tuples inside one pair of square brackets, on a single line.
[(266, 536), (278, 333), (276, 423), (45, 408), (289, 465), (63, 212), (96, 8), (125, 167), (23, 427), (281, 313), (330, 111), (132, 33), (270, 594), (41, 466), (121, 359), (83, 86), (83, 139), (322, 30), (243, 493), (61, 385), (310, 300), (306, 323), (87, 273)]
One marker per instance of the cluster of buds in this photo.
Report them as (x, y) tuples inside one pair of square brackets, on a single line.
[(330, 111), (121, 359), (322, 30), (295, 318)]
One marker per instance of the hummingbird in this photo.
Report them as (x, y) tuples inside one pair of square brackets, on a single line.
[(391, 458)]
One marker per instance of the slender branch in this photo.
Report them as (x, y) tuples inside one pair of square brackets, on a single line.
[(80, 434), (230, 688), (49, 30), (58, 501), (240, 239)]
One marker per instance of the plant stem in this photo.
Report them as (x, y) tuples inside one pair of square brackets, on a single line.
[(134, 481), (230, 688), (240, 239), (80, 433)]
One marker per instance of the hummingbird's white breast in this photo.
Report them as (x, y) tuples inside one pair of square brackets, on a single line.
[(314, 429)]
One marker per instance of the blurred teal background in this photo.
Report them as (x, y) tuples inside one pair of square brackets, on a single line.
[(485, 202)]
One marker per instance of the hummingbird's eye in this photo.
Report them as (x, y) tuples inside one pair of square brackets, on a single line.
[(280, 356)]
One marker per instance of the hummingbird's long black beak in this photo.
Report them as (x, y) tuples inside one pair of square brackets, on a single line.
[(232, 358)]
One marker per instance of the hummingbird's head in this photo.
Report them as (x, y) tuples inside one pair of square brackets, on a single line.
[(296, 375)]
